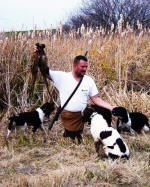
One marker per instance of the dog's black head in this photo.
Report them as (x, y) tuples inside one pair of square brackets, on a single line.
[(48, 108), (120, 112), (107, 115), (87, 112)]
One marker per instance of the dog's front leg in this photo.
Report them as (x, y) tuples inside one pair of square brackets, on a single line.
[(97, 146), (119, 126), (43, 129), (22, 129), (8, 134), (34, 129), (132, 132)]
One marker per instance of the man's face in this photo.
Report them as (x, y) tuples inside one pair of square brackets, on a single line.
[(80, 68)]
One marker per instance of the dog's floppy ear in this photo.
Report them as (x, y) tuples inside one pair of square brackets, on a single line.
[(86, 113), (87, 110)]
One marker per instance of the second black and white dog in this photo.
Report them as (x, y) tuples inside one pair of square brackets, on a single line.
[(113, 144), (130, 121), (33, 118)]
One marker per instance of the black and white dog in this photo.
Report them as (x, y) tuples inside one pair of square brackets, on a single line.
[(113, 144), (33, 118), (107, 115), (130, 121)]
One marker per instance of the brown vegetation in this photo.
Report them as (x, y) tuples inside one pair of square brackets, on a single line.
[(114, 62)]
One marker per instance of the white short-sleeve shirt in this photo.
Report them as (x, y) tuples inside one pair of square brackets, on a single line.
[(66, 83)]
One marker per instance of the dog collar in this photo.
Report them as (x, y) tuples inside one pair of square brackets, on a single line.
[(94, 113)]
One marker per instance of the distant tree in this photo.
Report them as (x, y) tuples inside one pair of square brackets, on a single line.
[(107, 12)]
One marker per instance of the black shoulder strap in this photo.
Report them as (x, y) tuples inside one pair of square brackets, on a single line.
[(72, 94), (60, 109)]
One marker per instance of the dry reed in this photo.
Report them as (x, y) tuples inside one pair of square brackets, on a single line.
[(115, 62)]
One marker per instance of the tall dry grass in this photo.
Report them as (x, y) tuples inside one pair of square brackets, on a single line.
[(119, 64)]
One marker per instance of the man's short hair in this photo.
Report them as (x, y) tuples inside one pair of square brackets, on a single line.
[(78, 58)]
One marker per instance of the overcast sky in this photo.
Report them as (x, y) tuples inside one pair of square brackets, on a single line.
[(23, 14)]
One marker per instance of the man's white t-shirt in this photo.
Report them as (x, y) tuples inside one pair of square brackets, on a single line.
[(66, 83)]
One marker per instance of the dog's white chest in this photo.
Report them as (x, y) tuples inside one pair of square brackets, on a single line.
[(127, 124), (41, 114), (122, 124)]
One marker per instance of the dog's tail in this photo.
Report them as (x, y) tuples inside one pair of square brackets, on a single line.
[(146, 127)]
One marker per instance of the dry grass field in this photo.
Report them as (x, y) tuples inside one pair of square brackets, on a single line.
[(120, 65)]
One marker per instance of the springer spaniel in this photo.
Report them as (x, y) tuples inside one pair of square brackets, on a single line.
[(33, 118), (130, 121), (113, 144), (107, 115)]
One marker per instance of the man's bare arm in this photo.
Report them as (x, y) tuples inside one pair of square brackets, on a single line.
[(98, 101)]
